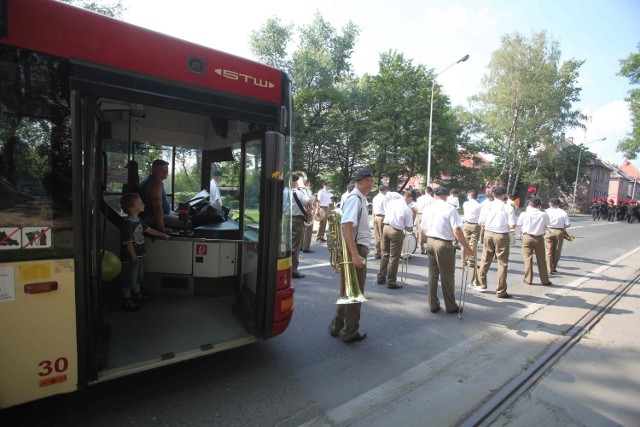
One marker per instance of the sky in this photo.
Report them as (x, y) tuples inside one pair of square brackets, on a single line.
[(437, 33)]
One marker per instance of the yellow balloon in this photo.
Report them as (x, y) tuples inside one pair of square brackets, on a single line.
[(111, 266)]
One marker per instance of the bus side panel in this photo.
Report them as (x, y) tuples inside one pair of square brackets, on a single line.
[(37, 331)]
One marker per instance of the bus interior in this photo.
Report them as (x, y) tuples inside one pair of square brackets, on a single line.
[(204, 284)]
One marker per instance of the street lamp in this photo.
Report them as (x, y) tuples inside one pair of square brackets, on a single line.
[(575, 186), (433, 83)]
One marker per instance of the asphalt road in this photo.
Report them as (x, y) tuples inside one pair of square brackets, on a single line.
[(415, 367)]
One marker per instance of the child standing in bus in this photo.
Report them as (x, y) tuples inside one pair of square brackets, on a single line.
[(133, 252)]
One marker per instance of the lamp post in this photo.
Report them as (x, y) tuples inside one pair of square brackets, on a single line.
[(575, 186), (433, 83)]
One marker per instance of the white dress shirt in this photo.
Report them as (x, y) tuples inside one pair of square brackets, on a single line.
[(398, 214), (558, 218), (324, 198), (471, 209), (354, 210), (533, 221), (439, 220), (378, 204), (498, 217)]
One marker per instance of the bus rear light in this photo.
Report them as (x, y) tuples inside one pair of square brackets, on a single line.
[(286, 304), (40, 288)]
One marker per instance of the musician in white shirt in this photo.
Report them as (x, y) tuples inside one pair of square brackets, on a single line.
[(498, 219), (378, 206), (554, 237), (534, 223), (398, 219), (442, 225)]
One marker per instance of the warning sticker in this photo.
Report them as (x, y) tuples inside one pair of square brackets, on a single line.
[(36, 237), (10, 238), (7, 287)]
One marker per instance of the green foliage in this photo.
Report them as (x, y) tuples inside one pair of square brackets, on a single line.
[(526, 100), (630, 68), (114, 10)]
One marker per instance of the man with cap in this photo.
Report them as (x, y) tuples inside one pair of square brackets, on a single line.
[(214, 189), (378, 208), (157, 211), (398, 219), (534, 222), (498, 219), (324, 198), (299, 203), (554, 237), (442, 225), (356, 234)]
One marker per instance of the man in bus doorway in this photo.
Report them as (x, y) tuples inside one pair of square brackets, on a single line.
[(214, 190), (356, 235), (157, 211)]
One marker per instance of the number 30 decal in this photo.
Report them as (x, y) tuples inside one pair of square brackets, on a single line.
[(59, 365)]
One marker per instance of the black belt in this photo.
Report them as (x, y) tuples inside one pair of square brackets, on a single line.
[(442, 240), (380, 215), (472, 223), (555, 228), (494, 232), (532, 235)]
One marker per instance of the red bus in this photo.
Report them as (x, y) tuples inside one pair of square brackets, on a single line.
[(87, 103)]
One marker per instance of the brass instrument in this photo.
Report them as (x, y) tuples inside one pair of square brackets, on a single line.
[(340, 260)]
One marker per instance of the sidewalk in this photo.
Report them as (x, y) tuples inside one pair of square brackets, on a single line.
[(597, 382)]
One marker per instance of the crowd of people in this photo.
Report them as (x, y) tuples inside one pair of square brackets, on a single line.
[(609, 210), (441, 231)]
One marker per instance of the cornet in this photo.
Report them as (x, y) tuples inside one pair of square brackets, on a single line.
[(340, 260)]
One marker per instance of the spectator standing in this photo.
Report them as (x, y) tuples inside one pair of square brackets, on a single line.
[(398, 219), (534, 222), (308, 226), (554, 237)]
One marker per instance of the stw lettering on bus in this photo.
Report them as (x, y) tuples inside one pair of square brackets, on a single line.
[(234, 75)]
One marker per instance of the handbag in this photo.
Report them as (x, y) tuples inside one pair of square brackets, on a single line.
[(568, 237)]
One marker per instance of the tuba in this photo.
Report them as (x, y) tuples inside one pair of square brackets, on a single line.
[(340, 260)]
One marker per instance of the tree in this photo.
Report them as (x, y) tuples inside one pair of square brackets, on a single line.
[(630, 68), (319, 68), (526, 100), (114, 10)]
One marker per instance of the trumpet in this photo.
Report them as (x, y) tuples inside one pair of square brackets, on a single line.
[(340, 260)]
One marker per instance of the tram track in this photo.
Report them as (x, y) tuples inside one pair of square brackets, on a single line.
[(492, 408)]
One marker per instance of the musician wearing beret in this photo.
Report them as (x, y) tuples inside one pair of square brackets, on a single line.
[(356, 235)]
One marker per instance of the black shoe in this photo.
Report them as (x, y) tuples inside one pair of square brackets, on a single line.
[(435, 310), (396, 286), (381, 282), (547, 284), (309, 251), (130, 306), (333, 332), (356, 338), (456, 310), (297, 275), (141, 298)]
